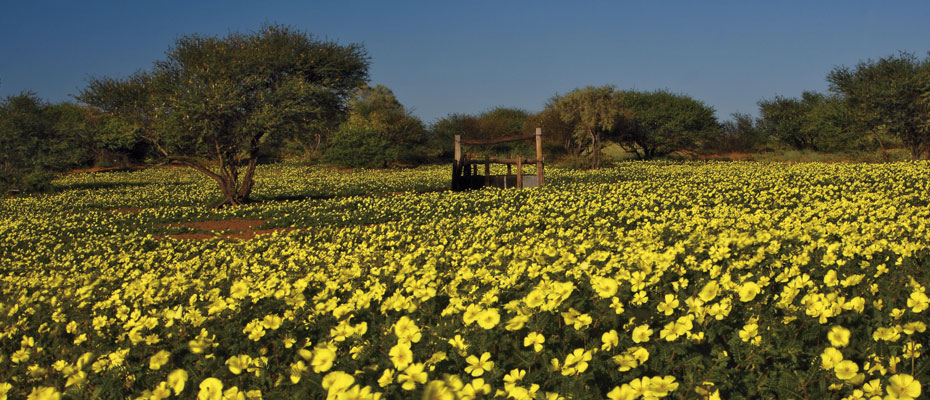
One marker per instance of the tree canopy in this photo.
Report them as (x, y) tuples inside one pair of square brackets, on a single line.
[(593, 112), (662, 122), (214, 102), (379, 131), (889, 95)]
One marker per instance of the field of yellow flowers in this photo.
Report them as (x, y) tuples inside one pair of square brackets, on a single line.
[(642, 281)]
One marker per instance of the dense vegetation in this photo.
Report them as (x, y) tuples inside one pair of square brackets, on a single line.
[(221, 105), (644, 280)]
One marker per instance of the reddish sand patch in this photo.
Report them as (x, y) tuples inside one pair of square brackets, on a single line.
[(235, 229), (222, 225), (726, 156)]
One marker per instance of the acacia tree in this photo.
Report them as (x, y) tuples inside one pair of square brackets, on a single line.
[(594, 112), (214, 103), (889, 95), (661, 122)]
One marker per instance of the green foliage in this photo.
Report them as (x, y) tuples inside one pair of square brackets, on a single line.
[(214, 103), (39, 139), (442, 134), (741, 133), (660, 122), (558, 136), (495, 123), (379, 131), (815, 121), (889, 96), (593, 113), (359, 146)]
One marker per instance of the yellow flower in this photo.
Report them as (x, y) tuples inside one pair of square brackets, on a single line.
[(534, 339), (617, 305), (239, 290), (210, 389), (387, 377), (576, 362), (668, 306), (412, 375), (516, 323), (624, 392), (401, 355), (272, 322), (489, 318), (889, 334), (640, 386), (161, 391), (514, 376), (337, 381), (176, 380), (605, 287), (903, 386), (407, 330), (872, 387), (5, 388), (159, 359), (918, 302), (470, 314), (477, 367), (238, 363), (748, 291), (838, 336), (660, 387), (641, 334), (21, 355), (830, 357), (534, 299), (44, 393), (233, 393), (459, 344), (475, 388), (609, 339), (297, 370), (323, 359), (846, 369), (709, 291), (748, 332)]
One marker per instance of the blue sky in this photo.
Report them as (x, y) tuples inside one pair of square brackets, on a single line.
[(443, 57)]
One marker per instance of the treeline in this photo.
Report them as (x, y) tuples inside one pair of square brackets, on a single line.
[(40, 139), (876, 105), (165, 115)]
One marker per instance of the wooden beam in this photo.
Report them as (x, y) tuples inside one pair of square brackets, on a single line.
[(509, 161), (539, 158), (519, 172), (505, 139)]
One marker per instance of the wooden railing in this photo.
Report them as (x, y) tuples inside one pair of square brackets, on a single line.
[(465, 170)]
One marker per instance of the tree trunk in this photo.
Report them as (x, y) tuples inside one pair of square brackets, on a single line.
[(881, 144)]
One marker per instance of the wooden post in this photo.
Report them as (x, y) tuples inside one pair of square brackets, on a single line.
[(457, 164), (539, 158), (519, 172), (487, 171), (458, 148)]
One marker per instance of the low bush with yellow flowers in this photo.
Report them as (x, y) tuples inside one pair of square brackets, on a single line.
[(641, 281)]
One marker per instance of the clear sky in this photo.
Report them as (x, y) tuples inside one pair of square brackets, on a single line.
[(441, 57)]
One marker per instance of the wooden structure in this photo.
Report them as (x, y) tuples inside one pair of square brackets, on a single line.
[(465, 171)]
